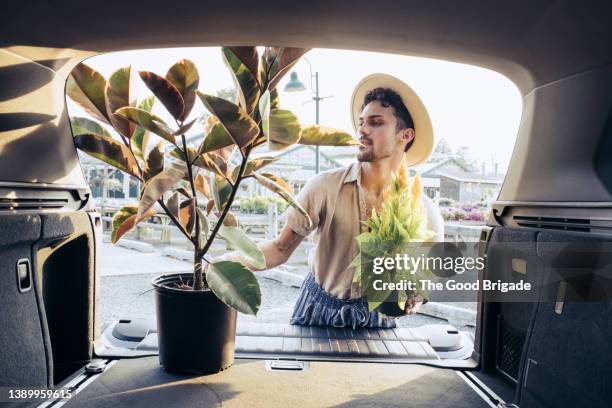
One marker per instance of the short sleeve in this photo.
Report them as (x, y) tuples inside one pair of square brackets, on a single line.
[(312, 198), (435, 222)]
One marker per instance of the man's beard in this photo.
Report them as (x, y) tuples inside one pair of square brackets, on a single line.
[(369, 155), (366, 156)]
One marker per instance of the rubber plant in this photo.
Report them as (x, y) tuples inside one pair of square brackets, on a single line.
[(195, 184)]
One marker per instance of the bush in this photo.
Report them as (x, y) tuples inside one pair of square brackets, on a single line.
[(259, 204), (459, 214), (475, 215), (447, 214), (446, 202)]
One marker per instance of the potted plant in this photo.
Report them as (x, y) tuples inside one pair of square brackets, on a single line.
[(399, 223), (195, 185)]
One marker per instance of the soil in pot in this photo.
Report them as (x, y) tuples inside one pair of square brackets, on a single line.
[(196, 331)]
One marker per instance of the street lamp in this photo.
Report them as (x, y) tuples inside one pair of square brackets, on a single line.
[(295, 85)]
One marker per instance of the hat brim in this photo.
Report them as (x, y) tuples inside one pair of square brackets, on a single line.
[(423, 143)]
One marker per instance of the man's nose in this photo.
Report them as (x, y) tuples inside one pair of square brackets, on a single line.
[(362, 130)]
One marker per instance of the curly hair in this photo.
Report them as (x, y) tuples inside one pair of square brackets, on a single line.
[(388, 97)]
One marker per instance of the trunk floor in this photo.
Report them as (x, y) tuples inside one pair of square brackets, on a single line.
[(142, 382)]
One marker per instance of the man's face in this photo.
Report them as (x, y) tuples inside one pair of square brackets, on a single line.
[(377, 133)]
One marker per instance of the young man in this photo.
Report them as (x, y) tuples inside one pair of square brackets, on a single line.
[(394, 128)]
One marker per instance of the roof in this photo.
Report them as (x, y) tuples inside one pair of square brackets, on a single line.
[(466, 177), (429, 166)]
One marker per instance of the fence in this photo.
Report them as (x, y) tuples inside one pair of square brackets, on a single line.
[(268, 226)]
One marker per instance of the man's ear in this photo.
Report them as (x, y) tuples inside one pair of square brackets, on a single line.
[(407, 135)]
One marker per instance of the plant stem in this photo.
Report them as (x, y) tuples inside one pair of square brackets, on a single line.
[(198, 278), (186, 153), (173, 218), (230, 199)]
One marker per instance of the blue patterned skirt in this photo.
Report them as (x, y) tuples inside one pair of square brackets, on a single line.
[(316, 307)]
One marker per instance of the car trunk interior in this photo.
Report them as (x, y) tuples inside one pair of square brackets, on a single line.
[(555, 198)]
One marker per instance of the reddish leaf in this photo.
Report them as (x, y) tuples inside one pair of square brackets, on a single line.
[(184, 76), (187, 215), (240, 126), (209, 206), (283, 60), (167, 93), (86, 87)]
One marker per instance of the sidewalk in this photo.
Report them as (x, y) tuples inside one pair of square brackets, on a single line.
[(117, 261)]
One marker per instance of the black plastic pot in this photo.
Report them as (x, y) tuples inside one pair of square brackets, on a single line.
[(196, 331), (390, 306)]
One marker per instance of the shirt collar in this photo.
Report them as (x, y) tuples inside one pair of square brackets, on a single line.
[(353, 173)]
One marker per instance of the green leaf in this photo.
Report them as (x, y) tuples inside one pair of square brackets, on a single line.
[(374, 305), (185, 128), (140, 138), (86, 87), (125, 219), (155, 188), (165, 91), (274, 99), (253, 165), (173, 204), (217, 138), (241, 128), (285, 195), (244, 79), (109, 150), (184, 76), (284, 129), (220, 190), (325, 136), (235, 285), (211, 162), (155, 161), (148, 121), (178, 153), (278, 180), (241, 241), (120, 92), (81, 126), (402, 298), (230, 220), (282, 60)]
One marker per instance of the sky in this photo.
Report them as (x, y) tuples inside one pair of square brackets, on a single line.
[(468, 105)]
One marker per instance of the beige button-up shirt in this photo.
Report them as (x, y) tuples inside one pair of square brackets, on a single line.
[(335, 202)]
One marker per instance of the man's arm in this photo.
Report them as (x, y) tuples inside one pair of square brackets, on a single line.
[(276, 251), (279, 249)]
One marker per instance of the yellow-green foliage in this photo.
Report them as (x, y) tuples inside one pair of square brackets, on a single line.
[(401, 220)]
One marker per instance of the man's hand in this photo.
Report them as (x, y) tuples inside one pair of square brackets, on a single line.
[(413, 304)]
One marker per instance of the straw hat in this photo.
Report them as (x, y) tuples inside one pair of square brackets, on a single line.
[(423, 143)]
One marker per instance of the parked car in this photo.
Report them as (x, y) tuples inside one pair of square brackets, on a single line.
[(551, 224)]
